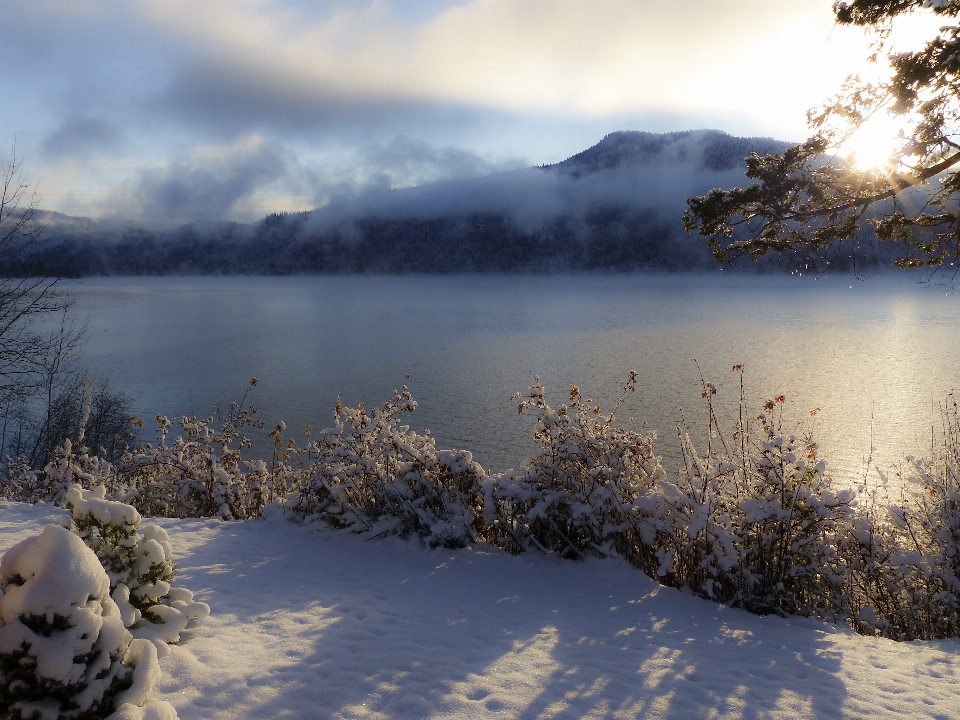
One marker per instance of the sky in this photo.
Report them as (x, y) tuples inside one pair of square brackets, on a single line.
[(178, 111)]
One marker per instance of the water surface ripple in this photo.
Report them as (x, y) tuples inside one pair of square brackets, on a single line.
[(874, 356)]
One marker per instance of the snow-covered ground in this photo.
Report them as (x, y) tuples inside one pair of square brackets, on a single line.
[(322, 624)]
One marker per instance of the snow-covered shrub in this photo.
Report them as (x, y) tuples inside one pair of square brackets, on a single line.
[(64, 652), (73, 465), (71, 406), (137, 559), (873, 599), (689, 524), (787, 521), (576, 494), (69, 465), (899, 583), (903, 554), (201, 472), (370, 473), (753, 521), (69, 462), (20, 482)]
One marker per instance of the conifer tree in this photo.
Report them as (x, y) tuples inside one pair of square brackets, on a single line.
[(811, 196), (64, 652)]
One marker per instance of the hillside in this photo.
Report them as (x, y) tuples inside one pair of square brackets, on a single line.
[(712, 150), (615, 206)]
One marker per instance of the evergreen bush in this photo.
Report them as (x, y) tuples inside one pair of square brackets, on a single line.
[(64, 651), (137, 559)]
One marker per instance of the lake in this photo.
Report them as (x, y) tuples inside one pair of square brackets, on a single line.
[(874, 356)]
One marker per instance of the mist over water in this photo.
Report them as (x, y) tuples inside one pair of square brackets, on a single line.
[(874, 356)]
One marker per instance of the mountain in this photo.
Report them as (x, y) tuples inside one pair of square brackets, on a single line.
[(711, 149), (616, 205)]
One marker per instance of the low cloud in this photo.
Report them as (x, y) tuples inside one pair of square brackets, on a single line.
[(207, 184), (408, 162), (350, 98), (645, 172)]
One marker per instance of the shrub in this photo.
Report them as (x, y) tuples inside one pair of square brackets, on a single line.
[(62, 464), (19, 481), (64, 652), (576, 495), (201, 473), (73, 407), (753, 521), (904, 554), (369, 473), (787, 518), (74, 466), (101, 416), (137, 559)]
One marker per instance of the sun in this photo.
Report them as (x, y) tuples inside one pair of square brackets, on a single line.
[(873, 145)]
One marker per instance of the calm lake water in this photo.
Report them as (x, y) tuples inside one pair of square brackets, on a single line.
[(874, 356)]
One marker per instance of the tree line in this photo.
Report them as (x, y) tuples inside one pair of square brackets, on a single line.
[(612, 237)]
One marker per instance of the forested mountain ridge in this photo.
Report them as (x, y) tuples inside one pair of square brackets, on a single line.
[(615, 206)]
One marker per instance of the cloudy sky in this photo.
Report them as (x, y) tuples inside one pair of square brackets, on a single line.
[(207, 109)]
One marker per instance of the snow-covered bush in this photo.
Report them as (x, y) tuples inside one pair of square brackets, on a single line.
[(788, 519), (68, 462), (576, 494), (137, 559), (201, 473), (69, 465), (369, 473), (19, 481), (64, 651), (73, 465), (753, 521), (874, 601), (903, 554)]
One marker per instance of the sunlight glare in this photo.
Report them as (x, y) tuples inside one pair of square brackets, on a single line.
[(872, 145)]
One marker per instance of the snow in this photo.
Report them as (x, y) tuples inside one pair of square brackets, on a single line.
[(60, 577), (311, 623), (51, 575), (94, 502)]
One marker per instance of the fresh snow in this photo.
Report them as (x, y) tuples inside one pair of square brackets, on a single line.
[(314, 623), (60, 576)]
